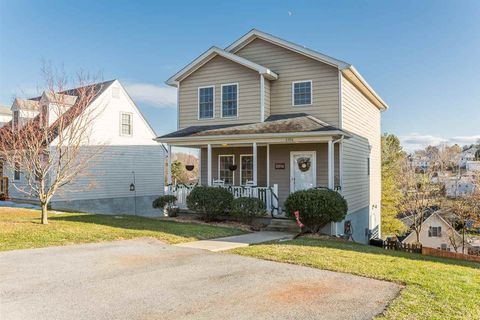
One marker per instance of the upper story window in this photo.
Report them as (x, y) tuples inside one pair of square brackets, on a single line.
[(126, 124), (206, 102), (435, 231), (16, 117), (229, 100), (302, 93)]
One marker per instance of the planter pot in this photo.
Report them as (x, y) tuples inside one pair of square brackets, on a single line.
[(189, 167), (172, 212)]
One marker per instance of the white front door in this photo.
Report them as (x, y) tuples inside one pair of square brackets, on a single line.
[(303, 170)]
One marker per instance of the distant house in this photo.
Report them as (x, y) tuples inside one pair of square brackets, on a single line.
[(460, 186), (5, 115), (473, 166), (468, 155), (128, 174), (436, 233)]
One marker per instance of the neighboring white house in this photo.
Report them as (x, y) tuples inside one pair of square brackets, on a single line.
[(437, 233), (128, 174), (466, 156), (473, 166), (459, 186), (5, 115)]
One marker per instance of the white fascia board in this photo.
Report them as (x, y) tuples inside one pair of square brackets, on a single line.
[(240, 43), (212, 52), (253, 136)]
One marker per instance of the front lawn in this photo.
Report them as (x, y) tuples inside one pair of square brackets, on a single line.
[(21, 229), (436, 288)]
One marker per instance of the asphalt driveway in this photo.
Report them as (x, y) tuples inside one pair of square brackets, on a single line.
[(146, 279)]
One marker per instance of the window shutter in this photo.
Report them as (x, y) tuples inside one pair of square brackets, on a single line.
[(429, 231), (439, 232)]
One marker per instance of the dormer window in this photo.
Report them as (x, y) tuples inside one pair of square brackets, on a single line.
[(206, 102), (229, 100), (302, 93)]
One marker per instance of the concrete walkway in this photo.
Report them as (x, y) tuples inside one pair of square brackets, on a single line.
[(227, 243)]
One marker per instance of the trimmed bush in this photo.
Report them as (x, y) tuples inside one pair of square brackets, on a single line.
[(246, 209), (210, 202), (166, 202), (317, 207)]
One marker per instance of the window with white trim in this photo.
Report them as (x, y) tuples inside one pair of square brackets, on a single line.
[(229, 100), (302, 93), (126, 124), (246, 168), (206, 101), (224, 172)]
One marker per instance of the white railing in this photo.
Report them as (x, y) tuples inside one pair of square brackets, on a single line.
[(268, 195)]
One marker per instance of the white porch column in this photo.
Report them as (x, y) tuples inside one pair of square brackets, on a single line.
[(209, 164), (268, 165), (169, 165), (200, 166), (254, 152), (331, 181)]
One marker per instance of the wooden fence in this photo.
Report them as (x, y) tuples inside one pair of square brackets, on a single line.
[(449, 254), (405, 247)]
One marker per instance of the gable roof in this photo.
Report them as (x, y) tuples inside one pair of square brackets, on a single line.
[(210, 54), (346, 68), (438, 214)]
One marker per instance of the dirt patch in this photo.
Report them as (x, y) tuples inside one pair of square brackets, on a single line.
[(301, 292)]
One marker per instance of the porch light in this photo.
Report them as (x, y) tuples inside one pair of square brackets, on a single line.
[(132, 187), (225, 145)]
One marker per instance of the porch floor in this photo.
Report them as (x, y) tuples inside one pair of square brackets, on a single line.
[(227, 243)]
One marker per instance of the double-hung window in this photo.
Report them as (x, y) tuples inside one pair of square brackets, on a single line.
[(224, 172), (16, 172), (435, 231), (229, 100), (246, 168), (302, 93), (126, 124), (206, 102)]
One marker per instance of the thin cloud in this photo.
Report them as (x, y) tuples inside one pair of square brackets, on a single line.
[(159, 96), (417, 141)]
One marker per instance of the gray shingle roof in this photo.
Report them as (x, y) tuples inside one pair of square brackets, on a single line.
[(280, 123)]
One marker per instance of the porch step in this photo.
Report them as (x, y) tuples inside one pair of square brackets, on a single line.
[(283, 225)]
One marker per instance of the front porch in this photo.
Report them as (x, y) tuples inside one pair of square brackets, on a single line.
[(268, 171)]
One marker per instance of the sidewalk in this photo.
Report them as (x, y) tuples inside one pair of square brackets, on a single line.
[(233, 242)]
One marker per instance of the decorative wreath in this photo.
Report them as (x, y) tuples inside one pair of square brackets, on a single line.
[(304, 164)]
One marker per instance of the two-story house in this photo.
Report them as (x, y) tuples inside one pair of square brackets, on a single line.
[(5, 115), (123, 178), (273, 116)]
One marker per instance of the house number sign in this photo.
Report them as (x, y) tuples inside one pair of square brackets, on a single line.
[(279, 166)]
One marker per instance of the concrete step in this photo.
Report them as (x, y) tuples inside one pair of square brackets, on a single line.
[(283, 225)]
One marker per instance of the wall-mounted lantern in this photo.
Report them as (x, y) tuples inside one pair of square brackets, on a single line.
[(132, 187)]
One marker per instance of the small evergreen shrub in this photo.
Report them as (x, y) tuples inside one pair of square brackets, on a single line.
[(166, 202), (246, 209), (210, 202), (317, 207)]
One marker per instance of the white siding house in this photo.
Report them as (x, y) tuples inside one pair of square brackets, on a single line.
[(129, 156), (5, 115)]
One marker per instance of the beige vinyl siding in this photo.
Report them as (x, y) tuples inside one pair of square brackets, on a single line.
[(361, 118), (216, 72), (292, 66), (267, 98)]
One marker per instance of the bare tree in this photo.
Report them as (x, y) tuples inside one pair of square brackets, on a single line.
[(420, 196), (53, 148), (466, 209)]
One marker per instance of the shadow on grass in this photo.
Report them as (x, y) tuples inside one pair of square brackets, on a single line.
[(365, 249), (185, 229)]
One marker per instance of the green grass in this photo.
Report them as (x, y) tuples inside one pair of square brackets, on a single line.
[(435, 288), (21, 229)]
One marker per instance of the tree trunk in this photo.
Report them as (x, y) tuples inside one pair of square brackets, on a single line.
[(44, 213)]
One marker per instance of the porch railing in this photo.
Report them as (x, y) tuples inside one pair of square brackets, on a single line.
[(268, 195), (3, 188)]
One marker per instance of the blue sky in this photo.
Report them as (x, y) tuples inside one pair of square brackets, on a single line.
[(420, 56)]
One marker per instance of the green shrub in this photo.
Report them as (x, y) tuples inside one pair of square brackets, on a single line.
[(166, 202), (246, 209), (210, 202), (317, 207)]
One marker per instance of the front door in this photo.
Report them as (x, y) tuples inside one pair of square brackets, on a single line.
[(303, 170)]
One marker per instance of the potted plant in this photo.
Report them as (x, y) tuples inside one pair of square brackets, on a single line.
[(167, 203)]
